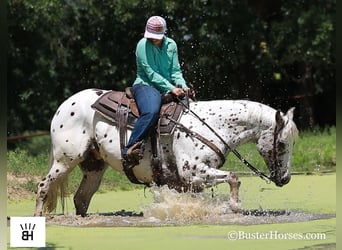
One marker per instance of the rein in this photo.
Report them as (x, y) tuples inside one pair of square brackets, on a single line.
[(235, 152)]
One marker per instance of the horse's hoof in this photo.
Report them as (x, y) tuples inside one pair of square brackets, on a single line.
[(38, 214), (236, 207)]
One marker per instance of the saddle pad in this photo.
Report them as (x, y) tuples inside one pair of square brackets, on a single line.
[(108, 104)]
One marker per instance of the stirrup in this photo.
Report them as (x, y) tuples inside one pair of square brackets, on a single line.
[(131, 159), (127, 164)]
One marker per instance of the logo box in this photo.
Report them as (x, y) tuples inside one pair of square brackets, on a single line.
[(27, 232)]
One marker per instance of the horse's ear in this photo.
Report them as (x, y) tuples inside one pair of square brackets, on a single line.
[(290, 112), (279, 120)]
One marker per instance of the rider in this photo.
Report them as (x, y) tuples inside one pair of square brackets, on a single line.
[(158, 72)]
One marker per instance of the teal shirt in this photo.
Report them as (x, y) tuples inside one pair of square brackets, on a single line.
[(158, 67)]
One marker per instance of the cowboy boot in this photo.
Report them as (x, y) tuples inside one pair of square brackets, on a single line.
[(135, 153)]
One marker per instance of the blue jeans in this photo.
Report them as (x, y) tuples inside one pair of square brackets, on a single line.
[(148, 100)]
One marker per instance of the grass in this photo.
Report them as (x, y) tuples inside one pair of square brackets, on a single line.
[(314, 152)]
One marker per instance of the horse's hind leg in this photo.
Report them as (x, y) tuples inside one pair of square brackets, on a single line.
[(93, 170), (48, 187)]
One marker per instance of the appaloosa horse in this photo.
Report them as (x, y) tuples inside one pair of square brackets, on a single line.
[(81, 136)]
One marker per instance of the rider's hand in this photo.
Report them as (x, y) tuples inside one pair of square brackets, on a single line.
[(179, 92)]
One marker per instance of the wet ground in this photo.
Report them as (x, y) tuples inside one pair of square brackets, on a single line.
[(133, 219), (171, 208)]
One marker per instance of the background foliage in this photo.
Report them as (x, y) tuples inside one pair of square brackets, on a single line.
[(281, 53)]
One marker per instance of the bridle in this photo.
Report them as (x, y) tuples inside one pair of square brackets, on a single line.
[(275, 152)]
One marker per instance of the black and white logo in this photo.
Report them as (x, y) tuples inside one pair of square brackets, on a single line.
[(27, 231)]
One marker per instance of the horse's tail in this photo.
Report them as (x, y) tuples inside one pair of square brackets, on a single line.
[(58, 188)]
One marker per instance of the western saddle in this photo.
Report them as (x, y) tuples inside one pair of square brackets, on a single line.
[(120, 108)]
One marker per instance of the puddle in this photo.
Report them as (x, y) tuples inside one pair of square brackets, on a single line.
[(170, 208), (105, 220)]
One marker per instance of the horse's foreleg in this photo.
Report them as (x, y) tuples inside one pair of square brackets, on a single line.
[(203, 175), (48, 188), (234, 184), (93, 171)]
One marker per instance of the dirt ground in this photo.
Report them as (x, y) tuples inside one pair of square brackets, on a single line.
[(16, 189)]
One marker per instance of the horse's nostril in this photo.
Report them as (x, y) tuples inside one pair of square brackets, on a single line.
[(286, 179)]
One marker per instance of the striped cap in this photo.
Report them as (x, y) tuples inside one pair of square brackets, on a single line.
[(155, 27)]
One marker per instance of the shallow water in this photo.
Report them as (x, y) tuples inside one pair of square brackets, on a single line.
[(172, 208)]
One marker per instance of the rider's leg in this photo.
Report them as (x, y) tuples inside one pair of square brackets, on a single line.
[(148, 100)]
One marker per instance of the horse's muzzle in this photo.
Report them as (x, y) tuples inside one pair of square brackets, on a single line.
[(282, 180)]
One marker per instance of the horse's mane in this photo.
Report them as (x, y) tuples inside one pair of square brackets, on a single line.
[(259, 113)]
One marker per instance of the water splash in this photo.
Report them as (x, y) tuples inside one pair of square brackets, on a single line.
[(170, 205)]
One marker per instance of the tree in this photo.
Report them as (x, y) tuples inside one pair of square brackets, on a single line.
[(278, 52)]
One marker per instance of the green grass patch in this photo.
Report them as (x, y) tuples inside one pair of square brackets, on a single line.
[(314, 152)]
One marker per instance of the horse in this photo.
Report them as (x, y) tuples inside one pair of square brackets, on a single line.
[(82, 136)]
